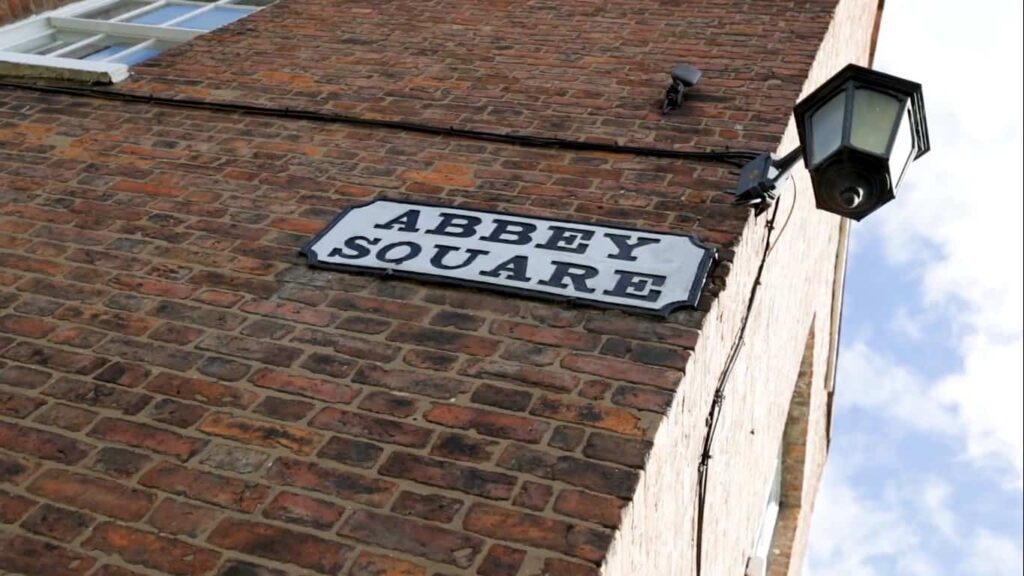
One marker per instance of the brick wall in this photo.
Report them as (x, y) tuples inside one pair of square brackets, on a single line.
[(12, 10), (181, 394)]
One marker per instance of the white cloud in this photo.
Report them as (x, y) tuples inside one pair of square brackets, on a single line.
[(994, 555)]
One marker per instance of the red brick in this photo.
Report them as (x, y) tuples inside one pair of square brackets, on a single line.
[(260, 351), (123, 374), (150, 353), (432, 385), (95, 494), (534, 496), (182, 518), (415, 538), (642, 398), (531, 530), (54, 358), (14, 507), (488, 423), (42, 444), (260, 433), (618, 370), (17, 405), (150, 286), (369, 564), (197, 315), (206, 487), (70, 418), (560, 567), (372, 427), (387, 308), (303, 510), (389, 404), (148, 437), (57, 523), (119, 463), (234, 282), (25, 555), (97, 395), (177, 414), (462, 447), (588, 413), (202, 391), (446, 340), (62, 290), (23, 376), (152, 550), (327, 390), (332, 481), (427, 506), (14, 470), (430, 359), (280, 544), (351, 452), (604, 510), (559, 337), (501, 561), (618, 324), (449, 475), (290, 311), (523, 375), (26, 326), (348, 345)]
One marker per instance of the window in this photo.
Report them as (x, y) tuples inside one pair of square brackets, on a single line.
[(757, 564), (97, 40)]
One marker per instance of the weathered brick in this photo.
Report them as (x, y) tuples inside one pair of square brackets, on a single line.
[(97, 395), (523, 375), (150, 286), (531, 530), (427, 506), (234, 282), (14, 507), (177, 414), (17, 405), (303, 510), (567, 438), (261, 433), (562, 567), (379, 307), (462, 447), (626, 451), (182, 518), (71, 418), (351, 452), (42, 444), (119, 463), (372, 427), (58, 523), (26, 326), (625, 326), (449, 475), (546, 335), (197, 315), (287, 409), (291, 311), (205, 487), (572, 470), (61, 290), (202, 391), (348, 345), (54, 358), (327, 390), (241, 568), (501, 561), (488, 423), (446, 340), (250, 349), (106, 319), (507, 398), (431, 385), (369, 564), (662, 378), (604, 510), (123, 374), (234, 458), (148, 437), (533, 495), (389, 404), (149, 353), (411, 537), (280, 544), (588, 414), (91, 493), (329, 365), (24, 377), (430, 359), (223, 369), (26, 555), (152, 550), (14, 470), (332, 481)]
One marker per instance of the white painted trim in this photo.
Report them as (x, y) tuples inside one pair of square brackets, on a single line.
[(32, 65), (124, 30)]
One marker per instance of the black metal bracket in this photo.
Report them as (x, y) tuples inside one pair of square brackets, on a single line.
[(761, 177)]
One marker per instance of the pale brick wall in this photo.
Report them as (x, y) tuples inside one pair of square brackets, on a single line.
[(658, 530)]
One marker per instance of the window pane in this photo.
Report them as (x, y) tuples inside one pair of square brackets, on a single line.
[(213, 18), (258, 3), (138, 55), (874, 116), (111, 11), (108, 51), (827, 128), (163, 14), (902, 151)]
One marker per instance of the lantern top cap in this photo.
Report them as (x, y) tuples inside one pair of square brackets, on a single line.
[(874, 79)]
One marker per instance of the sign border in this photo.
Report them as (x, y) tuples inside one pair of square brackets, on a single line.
[(703, 268)]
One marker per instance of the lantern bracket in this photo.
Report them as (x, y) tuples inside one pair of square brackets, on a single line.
[(761, 177)]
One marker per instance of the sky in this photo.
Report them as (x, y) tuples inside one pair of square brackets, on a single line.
[(925, 470)]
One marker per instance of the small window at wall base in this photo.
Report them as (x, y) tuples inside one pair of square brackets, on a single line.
[(757, 563), (98, 40)]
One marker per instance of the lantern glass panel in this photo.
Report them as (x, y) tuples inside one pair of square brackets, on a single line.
[(903, 150), (827, 128), (874, 118)]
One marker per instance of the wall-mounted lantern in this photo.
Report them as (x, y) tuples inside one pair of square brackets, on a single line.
[(859, 132)]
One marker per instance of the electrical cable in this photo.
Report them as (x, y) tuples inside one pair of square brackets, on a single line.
[(715, 410), (789, 216), (735, 158)]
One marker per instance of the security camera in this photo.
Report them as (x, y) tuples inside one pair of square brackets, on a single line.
[(683, 76)]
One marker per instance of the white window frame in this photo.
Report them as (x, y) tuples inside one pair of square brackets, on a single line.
[(757, 563), (68, 18)]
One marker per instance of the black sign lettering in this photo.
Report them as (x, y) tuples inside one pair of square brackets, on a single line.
[(456, 225), (575, 274), (637, 286), (512, 269), (574, 240), (510, 232), (412, 250), (441, 251), (355, 244), (407, 222), (625, 248)]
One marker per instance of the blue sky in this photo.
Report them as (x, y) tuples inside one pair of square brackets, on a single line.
[(925, 469)]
